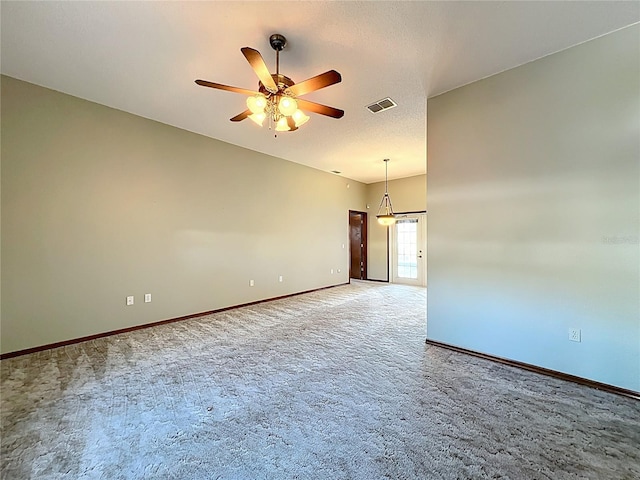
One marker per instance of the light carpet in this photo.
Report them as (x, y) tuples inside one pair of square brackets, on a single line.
[(335, 384)]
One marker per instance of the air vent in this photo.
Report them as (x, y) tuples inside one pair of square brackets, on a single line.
[(384, 104)]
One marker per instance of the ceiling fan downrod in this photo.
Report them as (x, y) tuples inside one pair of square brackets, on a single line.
[(277, 42)]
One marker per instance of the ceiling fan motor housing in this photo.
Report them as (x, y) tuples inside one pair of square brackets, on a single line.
[(283, 82)]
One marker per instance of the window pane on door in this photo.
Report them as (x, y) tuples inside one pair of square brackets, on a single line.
[(407, 235)]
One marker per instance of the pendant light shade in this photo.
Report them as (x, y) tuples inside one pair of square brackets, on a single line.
[(386, 220), (385, 215)]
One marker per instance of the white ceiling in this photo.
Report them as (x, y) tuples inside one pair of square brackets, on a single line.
[(142, 57)]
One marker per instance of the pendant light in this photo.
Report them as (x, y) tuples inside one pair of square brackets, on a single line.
[(385, 215)]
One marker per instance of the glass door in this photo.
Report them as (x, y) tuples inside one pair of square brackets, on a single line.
[(409, 250)]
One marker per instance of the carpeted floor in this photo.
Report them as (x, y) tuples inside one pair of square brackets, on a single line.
[(336, 384)]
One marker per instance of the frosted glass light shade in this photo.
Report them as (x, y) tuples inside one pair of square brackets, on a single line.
[(287, 106), (256, 103), (258, 117), (386, 220), (300, 118), (282, 125)]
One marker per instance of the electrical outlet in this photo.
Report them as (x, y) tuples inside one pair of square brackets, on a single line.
[(280, 278), (332, 271), (574, 334), (147, 298), (338, 270), (251, 283), (130, 300)]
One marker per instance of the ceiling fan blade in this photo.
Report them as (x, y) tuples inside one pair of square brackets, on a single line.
[(315, 83), (257, 63), (321, 109), (241, 116), (219, 86)]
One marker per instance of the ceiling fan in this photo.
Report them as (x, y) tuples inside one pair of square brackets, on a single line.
[(277, 98)]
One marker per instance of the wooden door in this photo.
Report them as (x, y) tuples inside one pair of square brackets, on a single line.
[(358, 244)]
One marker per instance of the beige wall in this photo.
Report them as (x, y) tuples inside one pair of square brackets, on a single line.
[(407, 195), (534, 210), (98, 204)]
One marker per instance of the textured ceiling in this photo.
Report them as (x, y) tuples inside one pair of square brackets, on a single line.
[(142, 57)]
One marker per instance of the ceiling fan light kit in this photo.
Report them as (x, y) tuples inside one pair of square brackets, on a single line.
[(385, 215), (277, 99)]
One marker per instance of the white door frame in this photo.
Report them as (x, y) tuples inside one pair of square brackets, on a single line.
[(422, 251)]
